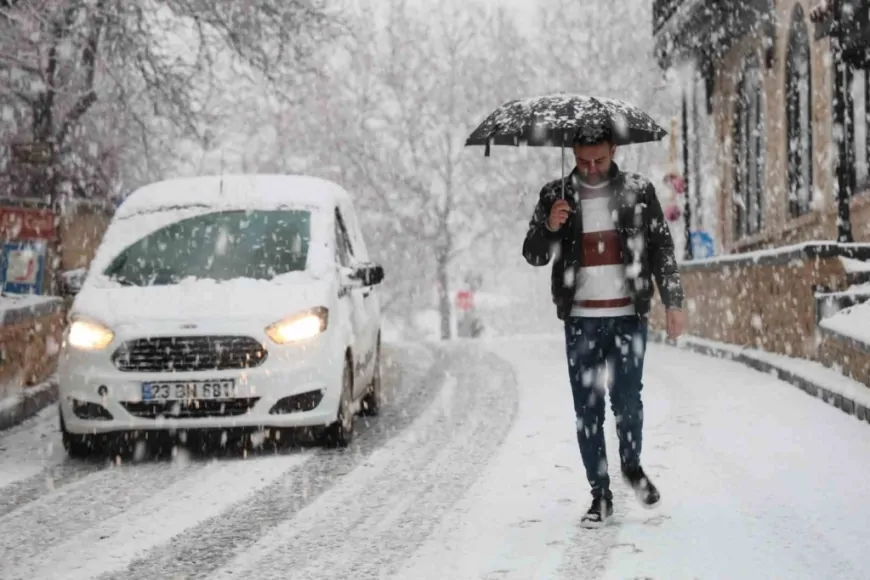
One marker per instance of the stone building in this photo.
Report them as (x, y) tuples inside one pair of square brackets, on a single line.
[(776, 150)]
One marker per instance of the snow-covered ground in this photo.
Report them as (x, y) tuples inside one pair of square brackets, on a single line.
[(472, 472)]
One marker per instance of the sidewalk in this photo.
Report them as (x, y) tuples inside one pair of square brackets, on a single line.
[(832, 387), (27, 402)]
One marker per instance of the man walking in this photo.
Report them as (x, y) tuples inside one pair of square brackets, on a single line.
[(609, 239)]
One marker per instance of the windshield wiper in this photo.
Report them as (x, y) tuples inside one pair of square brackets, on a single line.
[(122, 281)]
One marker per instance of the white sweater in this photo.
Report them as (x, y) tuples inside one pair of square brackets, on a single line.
[(601, 289)]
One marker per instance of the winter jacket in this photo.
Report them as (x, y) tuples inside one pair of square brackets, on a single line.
[(645, 240)]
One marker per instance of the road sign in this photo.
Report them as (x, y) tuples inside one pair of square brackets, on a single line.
[(702, 245), (19, 223), (464, 300), (23, 267)]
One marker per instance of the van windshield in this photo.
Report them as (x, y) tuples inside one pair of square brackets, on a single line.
[(218, 246)]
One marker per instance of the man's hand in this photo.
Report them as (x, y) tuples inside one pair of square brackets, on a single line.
[(676, 321), (558, 214)]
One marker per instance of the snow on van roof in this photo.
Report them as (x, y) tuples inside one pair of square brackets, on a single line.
[(237, 191)]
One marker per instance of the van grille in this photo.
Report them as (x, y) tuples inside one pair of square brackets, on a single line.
[(190, 409), (189, 353)]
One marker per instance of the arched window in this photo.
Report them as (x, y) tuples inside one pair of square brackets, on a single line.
[(749, 151), (799, 104)]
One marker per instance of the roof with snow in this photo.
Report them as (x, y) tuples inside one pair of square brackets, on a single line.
[(239, 191)]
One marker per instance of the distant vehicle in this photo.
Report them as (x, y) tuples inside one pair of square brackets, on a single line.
[(225, 302)]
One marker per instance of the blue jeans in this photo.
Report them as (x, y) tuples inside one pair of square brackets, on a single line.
[(593, 346)]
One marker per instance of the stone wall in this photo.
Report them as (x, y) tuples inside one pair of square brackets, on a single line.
[(30, 335), (761, 300), (81, 231), (849, 356)]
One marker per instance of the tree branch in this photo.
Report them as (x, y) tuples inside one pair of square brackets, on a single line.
[(89, 62)]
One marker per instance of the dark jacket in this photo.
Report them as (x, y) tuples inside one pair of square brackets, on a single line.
[(645, 239)]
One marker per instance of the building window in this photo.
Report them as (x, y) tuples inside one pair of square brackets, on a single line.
[(702, 157), (858, 120), (798, 94), (749, 151)]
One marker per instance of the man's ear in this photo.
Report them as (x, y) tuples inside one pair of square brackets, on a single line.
[(613, 150)]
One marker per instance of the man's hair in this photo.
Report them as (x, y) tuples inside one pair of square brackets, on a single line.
[(593, 135)]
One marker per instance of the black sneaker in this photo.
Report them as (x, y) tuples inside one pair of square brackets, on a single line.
[(598, 513), (646, 492)]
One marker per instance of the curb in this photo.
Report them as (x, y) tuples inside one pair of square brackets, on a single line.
[(841, 402), (28, 403)]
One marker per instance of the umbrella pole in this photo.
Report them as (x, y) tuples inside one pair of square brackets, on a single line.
[(563, 169)]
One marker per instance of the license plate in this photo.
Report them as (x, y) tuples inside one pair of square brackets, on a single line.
[(189, 390)]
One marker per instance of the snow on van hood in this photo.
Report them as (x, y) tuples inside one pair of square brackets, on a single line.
[(201, 300)]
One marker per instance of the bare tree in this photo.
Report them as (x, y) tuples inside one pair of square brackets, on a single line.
[(603, 49), (147, 59), (395, 114)]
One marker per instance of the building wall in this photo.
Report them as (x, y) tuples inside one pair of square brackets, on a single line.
[(850, 357), (81, 231), (779, 228), (29, 347), (770, 306)]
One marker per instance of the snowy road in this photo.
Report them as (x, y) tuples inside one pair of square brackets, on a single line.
[(471, 472)]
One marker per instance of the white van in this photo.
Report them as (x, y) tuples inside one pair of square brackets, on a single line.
[(245, 301)]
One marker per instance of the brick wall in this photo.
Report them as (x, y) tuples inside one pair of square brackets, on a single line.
[(29, 341), (761, 303), (81, 232), (850, 357)]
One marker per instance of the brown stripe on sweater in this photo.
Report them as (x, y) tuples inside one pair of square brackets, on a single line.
[(601, 249), (609, 303)]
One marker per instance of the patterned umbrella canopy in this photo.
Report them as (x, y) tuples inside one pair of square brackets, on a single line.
[(554, 120)]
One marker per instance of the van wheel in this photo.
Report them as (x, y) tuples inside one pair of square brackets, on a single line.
[(340, 433), (78, 446), (371, 403)]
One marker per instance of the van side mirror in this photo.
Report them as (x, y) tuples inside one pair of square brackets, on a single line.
[(362, 276), (72, 281), (372, 274)]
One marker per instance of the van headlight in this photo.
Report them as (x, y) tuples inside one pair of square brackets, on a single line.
[(89, 335), (299, 327)]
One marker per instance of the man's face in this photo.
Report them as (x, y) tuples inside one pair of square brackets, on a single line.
[(593, 161)]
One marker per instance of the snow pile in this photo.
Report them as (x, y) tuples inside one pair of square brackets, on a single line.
[(851, 322), (20, 302), (853, 266), (232, 191), (15, 302)]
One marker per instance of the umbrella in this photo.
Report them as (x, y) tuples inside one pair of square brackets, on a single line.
[(554, 120)]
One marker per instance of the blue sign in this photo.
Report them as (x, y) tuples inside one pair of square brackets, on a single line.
[(702, 245), (23, 267)]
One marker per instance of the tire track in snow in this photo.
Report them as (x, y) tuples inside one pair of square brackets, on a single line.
[(207, 546), (33, 462), (112, 543), (381, 513), (68, 497), (46, 481), (77, 507)]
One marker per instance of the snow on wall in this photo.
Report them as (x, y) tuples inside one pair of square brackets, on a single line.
[(851, 322)]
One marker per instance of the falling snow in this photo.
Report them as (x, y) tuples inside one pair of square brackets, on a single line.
[(368, 122)]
